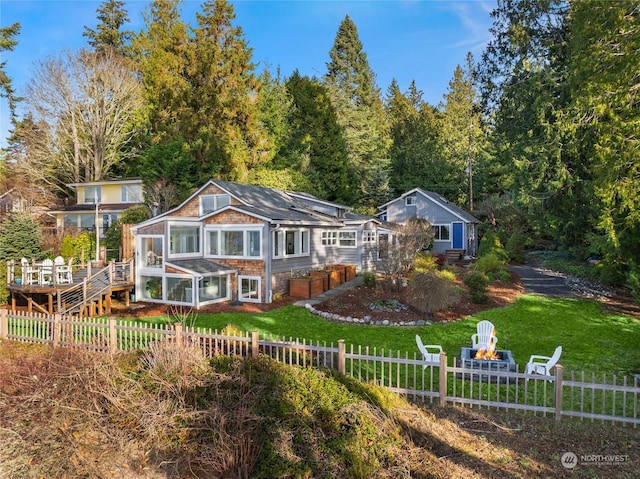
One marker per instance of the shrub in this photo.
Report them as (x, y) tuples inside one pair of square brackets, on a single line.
[(76, 247), (425, 262), (369, 278), (490, 243), (492, 266), (431, 291), (515, 247), (477, 283)]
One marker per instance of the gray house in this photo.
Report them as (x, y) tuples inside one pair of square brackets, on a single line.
[(237, 242), (455, 228)]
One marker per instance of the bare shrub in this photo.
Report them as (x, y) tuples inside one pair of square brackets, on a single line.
[(432, 291)]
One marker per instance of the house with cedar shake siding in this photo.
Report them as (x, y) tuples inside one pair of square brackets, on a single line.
[(235, 242)]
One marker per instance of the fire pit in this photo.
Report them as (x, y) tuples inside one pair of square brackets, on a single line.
[(501, 361)]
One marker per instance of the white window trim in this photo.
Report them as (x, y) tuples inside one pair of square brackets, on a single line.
[(329, 238), (303, 250), (245, 242), (369, 236), (354, 239), (196, 254), (141, 266), (215, 197), (250, 300), (410, 200), (447, 225), (219, 300), (165, 292)]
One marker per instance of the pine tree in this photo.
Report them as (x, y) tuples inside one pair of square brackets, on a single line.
[(357, 100)]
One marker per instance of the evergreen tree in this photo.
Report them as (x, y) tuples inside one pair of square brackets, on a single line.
[(222, 105), (415, 160), (357, 100), (523, 78), (462, 135), (159, 51), (20, 236), (108, 34), (603, 117), (8, 43), (319, 139)]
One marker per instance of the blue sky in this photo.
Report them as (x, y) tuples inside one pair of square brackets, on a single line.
[(421, 40)]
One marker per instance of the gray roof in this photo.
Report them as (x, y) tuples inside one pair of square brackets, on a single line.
[(437, 198), (274, 204), (200, 266)]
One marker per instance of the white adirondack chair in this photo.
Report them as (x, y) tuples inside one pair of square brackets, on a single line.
[(430, 352), (485, 336), (542, 364)]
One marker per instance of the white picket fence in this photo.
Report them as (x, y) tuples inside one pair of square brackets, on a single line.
[(607, 398)]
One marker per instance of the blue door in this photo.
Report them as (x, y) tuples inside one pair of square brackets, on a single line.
[(458, 240)]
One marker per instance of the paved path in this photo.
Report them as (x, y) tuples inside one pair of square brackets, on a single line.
[(538, 280)]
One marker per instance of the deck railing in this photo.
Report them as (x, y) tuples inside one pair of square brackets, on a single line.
[(606, 398)]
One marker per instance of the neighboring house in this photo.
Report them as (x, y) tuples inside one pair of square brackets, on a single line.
[(455, 228), (99, 202), (234, 242), (24, 200)]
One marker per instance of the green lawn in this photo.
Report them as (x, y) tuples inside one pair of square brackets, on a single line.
[(592, 340)]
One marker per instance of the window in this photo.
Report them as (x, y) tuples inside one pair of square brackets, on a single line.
[(213, 288), (209, 203), (383, 246), (410, 200), (233, 242), (442, 232), (92, 194), (347, 239), (184, 239), (368, 236), (151, 252), (180, 290), (329, 238), (70, 220), (88, 221), (290, 243), (249, 289), (131, 193)]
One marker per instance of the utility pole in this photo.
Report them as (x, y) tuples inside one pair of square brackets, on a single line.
[(97, 232)]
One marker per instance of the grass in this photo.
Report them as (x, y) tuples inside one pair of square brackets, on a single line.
[(592, 340)]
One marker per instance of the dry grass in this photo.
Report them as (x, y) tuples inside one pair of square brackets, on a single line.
[(69, 414)]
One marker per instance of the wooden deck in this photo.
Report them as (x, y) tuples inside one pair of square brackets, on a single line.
[(46, 298)]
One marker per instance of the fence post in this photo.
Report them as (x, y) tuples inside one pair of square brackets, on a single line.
[(178, 327), (4, 324), (254, 343), (113, 336), (342, 369), (57, 329), (558, 391), (442, 386)]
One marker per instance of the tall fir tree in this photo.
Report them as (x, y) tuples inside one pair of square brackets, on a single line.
[(222, 105), (463, 135), (7, 44), (415, 160), (319, 139), (109, 35), (358, 103)]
